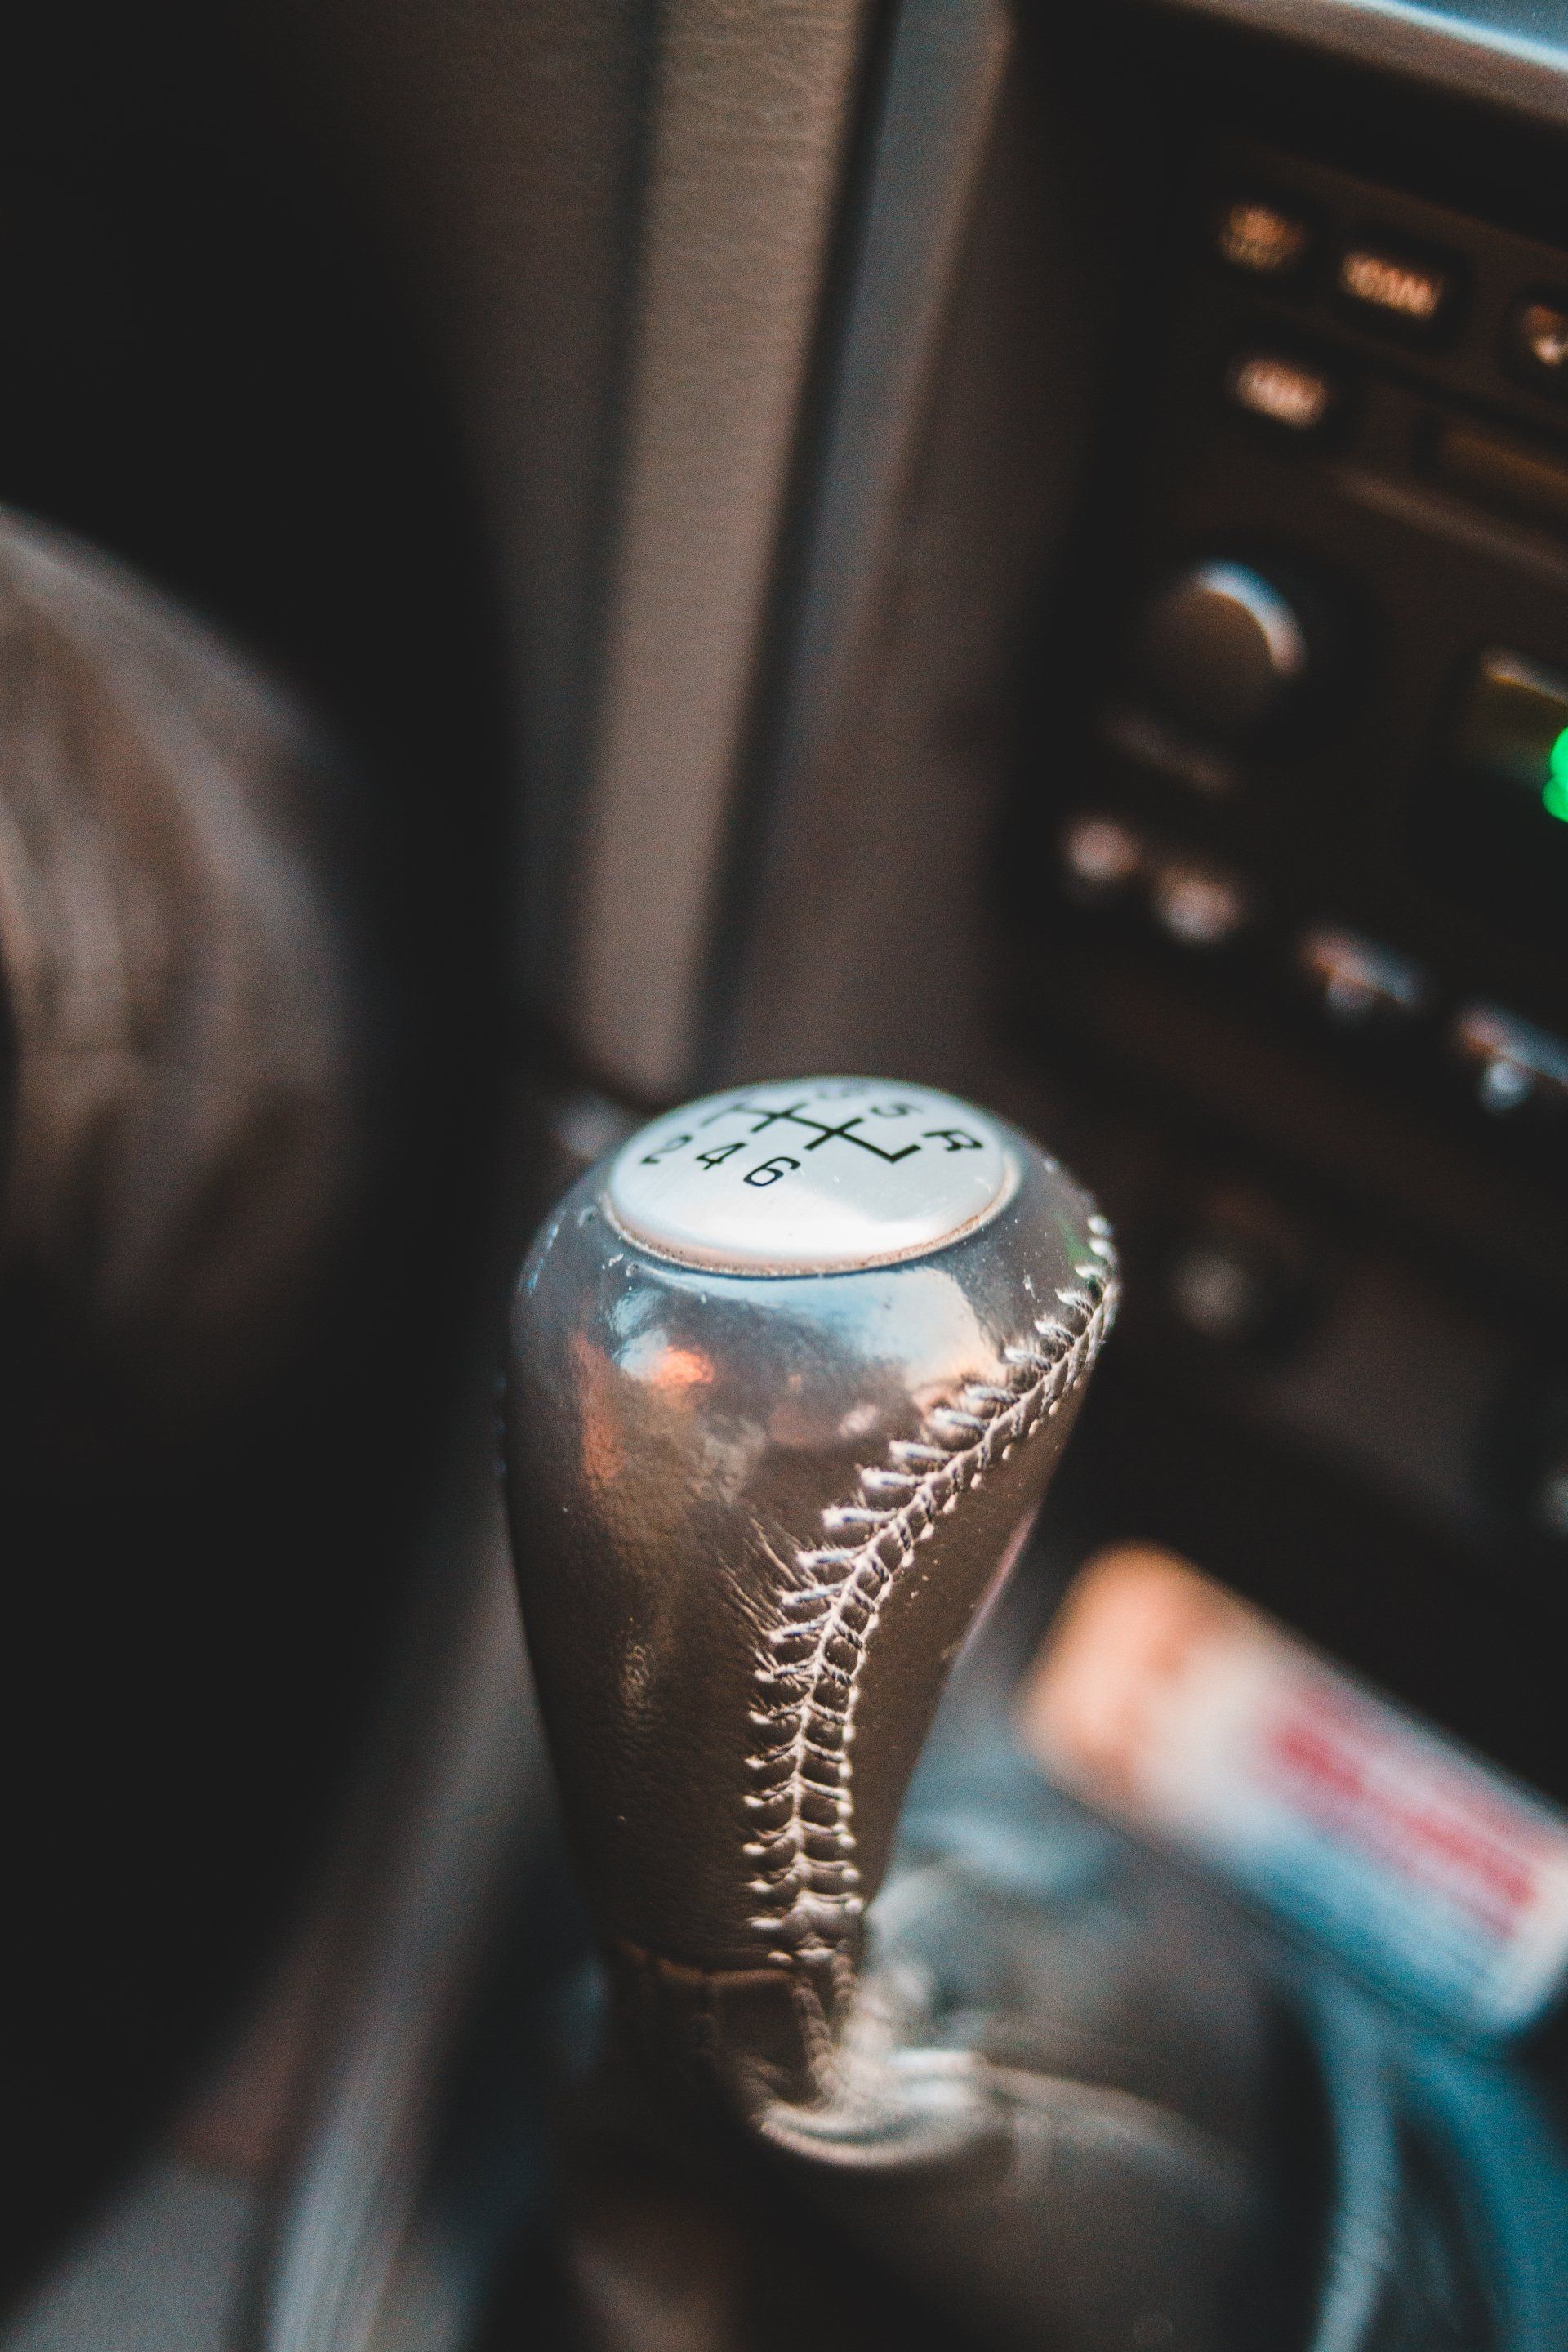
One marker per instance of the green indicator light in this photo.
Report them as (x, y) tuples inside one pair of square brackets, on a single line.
[(1555, 791)]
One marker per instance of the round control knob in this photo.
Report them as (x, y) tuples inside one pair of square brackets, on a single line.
[(1225, 647)]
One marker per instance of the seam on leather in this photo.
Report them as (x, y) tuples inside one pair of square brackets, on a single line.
[(810, 1663)]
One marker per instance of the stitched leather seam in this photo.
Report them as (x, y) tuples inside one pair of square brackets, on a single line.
[(809, 1670)]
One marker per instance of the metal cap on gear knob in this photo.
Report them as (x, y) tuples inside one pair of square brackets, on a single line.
[(789, 1375)]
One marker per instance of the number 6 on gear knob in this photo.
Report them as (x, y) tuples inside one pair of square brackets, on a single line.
[(789, 1376)]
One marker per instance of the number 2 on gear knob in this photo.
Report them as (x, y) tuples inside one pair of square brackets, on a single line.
[(788, 1377)]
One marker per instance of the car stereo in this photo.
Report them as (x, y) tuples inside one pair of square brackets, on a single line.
[(1292, 918)]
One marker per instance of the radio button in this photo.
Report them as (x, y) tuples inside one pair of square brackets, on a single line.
[(1358, 982), (1261, 238), (1225, 647), (1515, 1063), (1398, 290), (1536, 340), (1199, 906), (1283, 391), (1100, 855)]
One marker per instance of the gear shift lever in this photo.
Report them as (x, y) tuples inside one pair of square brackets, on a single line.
[(789, 1377), (788, 1385)]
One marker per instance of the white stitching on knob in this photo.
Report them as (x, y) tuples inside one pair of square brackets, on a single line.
[(808, 1669)]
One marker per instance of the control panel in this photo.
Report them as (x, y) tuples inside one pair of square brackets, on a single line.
[(1295, 790), (1329, 722)]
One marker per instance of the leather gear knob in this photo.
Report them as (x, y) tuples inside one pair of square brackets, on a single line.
[(788, 1378)]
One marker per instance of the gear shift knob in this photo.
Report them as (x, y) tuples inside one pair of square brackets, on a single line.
[(788, 1377)]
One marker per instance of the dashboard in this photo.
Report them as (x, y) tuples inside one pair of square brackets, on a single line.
[(1023, 547)]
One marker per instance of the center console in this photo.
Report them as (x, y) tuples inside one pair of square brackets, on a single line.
[(1287, 867)]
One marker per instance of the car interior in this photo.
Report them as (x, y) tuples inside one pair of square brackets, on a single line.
[(733, 734)]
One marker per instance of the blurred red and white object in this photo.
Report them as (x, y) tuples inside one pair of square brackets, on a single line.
[(1162, 1699)]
